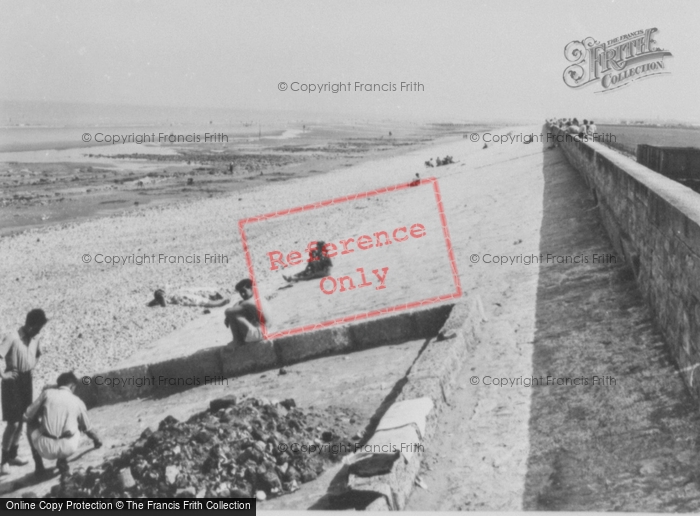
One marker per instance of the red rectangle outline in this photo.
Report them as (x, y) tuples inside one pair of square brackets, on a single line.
[(366, 315)]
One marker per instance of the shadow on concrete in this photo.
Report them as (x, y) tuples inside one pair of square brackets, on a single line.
[(27, 480), (612, 425), (30, 479), (358, 500)]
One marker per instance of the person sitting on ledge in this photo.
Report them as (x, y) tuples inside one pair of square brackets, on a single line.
[(54, 422), (243, 318), (319, 266)]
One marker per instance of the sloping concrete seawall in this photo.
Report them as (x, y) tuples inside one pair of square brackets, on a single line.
[(655, 222)]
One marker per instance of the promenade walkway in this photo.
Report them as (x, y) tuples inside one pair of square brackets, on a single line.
[(625, 440)]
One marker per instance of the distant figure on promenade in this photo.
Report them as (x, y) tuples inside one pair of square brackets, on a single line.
[(416, 181), (243, 318), (583, 128), (205, 297), (572, 128), (553, 137), (592, 129), (21, 352), (429, 163), (319, 266), (54, 422)]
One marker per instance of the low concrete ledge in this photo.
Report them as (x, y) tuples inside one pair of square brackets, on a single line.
[(383, 330), (431, 320), (121, 384), (87, 392), (176, 373), (389, 329), (248, 358), (305, 346)]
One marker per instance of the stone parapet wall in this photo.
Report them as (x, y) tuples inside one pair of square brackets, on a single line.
[(655, 223)]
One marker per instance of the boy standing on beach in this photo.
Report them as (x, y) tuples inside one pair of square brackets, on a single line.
[(21, 352)]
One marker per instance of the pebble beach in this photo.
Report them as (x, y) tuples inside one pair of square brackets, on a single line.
[(97, 308)]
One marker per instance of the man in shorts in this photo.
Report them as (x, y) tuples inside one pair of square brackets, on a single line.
[(54, 422), (21, 352), (243, 318)]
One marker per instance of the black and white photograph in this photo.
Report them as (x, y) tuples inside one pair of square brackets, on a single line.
[(395, 255)]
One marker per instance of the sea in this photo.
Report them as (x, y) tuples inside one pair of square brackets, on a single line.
[(30, 128), (627, 137)]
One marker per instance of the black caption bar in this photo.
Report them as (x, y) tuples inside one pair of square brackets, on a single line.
[(242, 506)]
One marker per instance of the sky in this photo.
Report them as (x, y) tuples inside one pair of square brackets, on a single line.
[(475, 60)]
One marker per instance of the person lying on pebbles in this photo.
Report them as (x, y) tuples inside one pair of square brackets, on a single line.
[(205, 297)]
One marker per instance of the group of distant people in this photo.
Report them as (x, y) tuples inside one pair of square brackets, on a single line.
[(573, 126), (447, 160), (54, 420)]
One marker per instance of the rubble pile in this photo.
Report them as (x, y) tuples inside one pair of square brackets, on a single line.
[(247, 448)]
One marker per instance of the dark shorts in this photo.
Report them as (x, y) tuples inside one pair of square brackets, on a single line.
[(17, 395)]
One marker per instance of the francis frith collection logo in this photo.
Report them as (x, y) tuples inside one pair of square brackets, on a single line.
[(615, 63)]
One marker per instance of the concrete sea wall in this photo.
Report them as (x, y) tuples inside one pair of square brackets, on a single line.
[(154, 375), (654, 222)]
